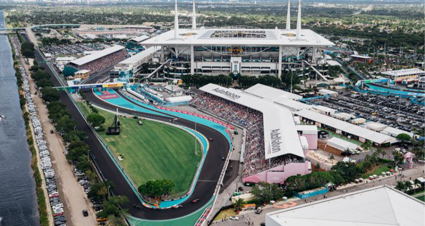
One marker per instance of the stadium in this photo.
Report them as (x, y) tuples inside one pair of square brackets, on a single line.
[(248, 51)]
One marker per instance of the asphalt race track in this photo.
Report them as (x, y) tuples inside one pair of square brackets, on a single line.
[(208, 177)]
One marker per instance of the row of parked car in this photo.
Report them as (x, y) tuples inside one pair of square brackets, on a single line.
[(45, 160)]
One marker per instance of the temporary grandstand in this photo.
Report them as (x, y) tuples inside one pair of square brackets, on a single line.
[(272, 150), (250, 51), (376, 206), (97, 62), (404, 74), (130, 66)]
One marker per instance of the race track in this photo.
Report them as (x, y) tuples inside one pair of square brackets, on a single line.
[(208, 177)]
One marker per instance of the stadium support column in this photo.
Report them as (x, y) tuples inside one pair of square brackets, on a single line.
[(162, 54), (192, 60), (279, 64)]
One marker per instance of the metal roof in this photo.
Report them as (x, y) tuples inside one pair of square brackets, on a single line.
[(139, 57), (376, 206), (97, 55), (347, 127), (273, 37), (280, 134), (271, 93)]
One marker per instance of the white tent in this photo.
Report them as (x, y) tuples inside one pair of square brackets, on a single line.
[(341, 144), (375, 126)]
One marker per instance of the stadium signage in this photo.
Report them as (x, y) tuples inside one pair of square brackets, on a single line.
[(112, 85), (276, 140), (227, 93)]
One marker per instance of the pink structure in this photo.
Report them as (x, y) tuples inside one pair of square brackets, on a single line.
[(280, 173), (408, 159)]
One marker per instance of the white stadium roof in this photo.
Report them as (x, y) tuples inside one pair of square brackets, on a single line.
[(376, 206), (347, 127), (140, 38), (404, 72), (255, 37), (97, 55), (280, 134), (271, 93), (139, 57)]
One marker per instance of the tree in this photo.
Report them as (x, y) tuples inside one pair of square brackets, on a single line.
[(238, 204), (265, 192), (96, 119), (408, 185), (111, 206), (398, 158), (400, 186), (65, 124), (380, 151), (367, 145), (50, 94), (403, 137), (348, 170), (156, 188)]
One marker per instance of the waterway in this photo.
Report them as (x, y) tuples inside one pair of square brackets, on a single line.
[(18, 200)]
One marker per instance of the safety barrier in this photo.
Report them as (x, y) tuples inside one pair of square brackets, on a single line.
[(198, 115)]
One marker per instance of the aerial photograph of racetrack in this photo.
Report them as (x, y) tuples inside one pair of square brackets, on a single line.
[(194, 113)]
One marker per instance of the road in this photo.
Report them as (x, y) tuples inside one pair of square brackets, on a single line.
[(71, 193), (208, 177)]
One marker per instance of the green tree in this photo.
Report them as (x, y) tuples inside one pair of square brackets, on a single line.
[(367, 145), (65, 124), (111, 206), (50, 94), (156, 188), (401, 186), (238, 205), (265, 192), (408, 185), (403, 137), (96, 119)]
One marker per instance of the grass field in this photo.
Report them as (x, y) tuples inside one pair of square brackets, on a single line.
[(378, 171), (422, 198), (153, 151)]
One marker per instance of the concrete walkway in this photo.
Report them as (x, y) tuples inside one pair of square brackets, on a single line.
[(71, 193)]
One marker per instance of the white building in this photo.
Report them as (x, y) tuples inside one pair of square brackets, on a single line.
[(404, 74), (237, 50), (376, 206)]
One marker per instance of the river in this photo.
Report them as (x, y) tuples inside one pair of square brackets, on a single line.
[(18, 200)]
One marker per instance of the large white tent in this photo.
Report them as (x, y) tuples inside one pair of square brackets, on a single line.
[(376, 206)]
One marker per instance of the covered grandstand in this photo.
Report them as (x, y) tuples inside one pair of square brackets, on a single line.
[(273, 150), (97, 62)]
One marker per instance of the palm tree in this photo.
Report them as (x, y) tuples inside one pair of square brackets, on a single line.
[(417, 183), (408, 185), (238, 204), (380, 152), (400, 186)]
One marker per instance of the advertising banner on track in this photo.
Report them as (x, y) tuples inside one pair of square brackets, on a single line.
[(113, 85)]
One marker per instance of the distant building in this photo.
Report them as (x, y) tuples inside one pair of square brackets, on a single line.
[(83, 74), (361, 59), (407, 75)]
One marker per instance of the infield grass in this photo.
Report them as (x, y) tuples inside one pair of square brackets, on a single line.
[(153, 151)]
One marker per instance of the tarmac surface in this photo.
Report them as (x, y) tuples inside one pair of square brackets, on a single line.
[(208, 177)]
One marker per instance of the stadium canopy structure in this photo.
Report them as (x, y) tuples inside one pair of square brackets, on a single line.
[(271, 93), (237, 50), (280, 134), (363, 134), (371, 207), (96, 56)]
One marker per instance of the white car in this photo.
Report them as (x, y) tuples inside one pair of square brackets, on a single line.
[(234, 218)]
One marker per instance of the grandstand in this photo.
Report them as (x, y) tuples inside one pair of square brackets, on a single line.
[(250, 51), (97, 62), (135, 44), (272, 150)]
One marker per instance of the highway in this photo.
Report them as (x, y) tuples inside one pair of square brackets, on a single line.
[(208, 177)]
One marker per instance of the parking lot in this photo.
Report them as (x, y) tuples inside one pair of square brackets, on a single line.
[(391, 111), (76, 49)]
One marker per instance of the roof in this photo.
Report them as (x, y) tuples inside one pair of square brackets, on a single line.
[(404, 72), (291, 104), (326, 91), (139, 57), (280, 134), (271, 93), (360, 56), (224, 36), (341, 144), (376, 206), (395, 132), (140, 38), (82, 71), (307, 129), (347, 127), (65, 58), (97, 55)]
